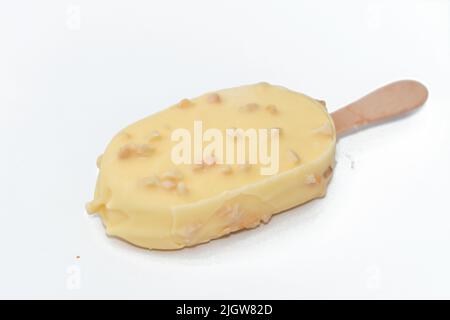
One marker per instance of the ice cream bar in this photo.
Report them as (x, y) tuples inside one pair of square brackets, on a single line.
[(225, 161)]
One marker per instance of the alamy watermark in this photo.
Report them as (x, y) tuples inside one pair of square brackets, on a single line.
[(73, 17), (73, 277), (236, 146)]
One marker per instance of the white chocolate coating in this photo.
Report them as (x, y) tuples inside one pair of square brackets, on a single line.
[(144, 198)]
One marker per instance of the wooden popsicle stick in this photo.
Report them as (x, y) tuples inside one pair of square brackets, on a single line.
[(387, 102)]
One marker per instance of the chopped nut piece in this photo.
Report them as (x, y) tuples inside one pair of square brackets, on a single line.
[(174, 174), (126, 151), (181, 188), (280, 130), (311, 179), (226, 230), (293, 156), (271, 108), (168, 184), (185, 103), (94, 206), (226, 169), (250, 107), (266, 218), (210, 160), (235, 214), (152, 181), (325, 129), (322, 102), (189, 232), (328, 172), (129, 150), (144, 150), (213, 98), (154, 135)]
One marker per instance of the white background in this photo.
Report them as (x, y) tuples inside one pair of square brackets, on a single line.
[(72, 73)]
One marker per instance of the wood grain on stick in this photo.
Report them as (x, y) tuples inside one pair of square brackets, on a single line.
[(392, 100)]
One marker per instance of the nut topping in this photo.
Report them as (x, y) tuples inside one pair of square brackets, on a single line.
[(271, 108), (311, 179), (328, 172), (168, 184), (181, 188), (213, 98), (131, 149), (152, 181), (185, 103), (173, 175), (325, 129), (154, 135), (250, 107), (293, 156)]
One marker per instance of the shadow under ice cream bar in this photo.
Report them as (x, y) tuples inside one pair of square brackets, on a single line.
[(144, 198)]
